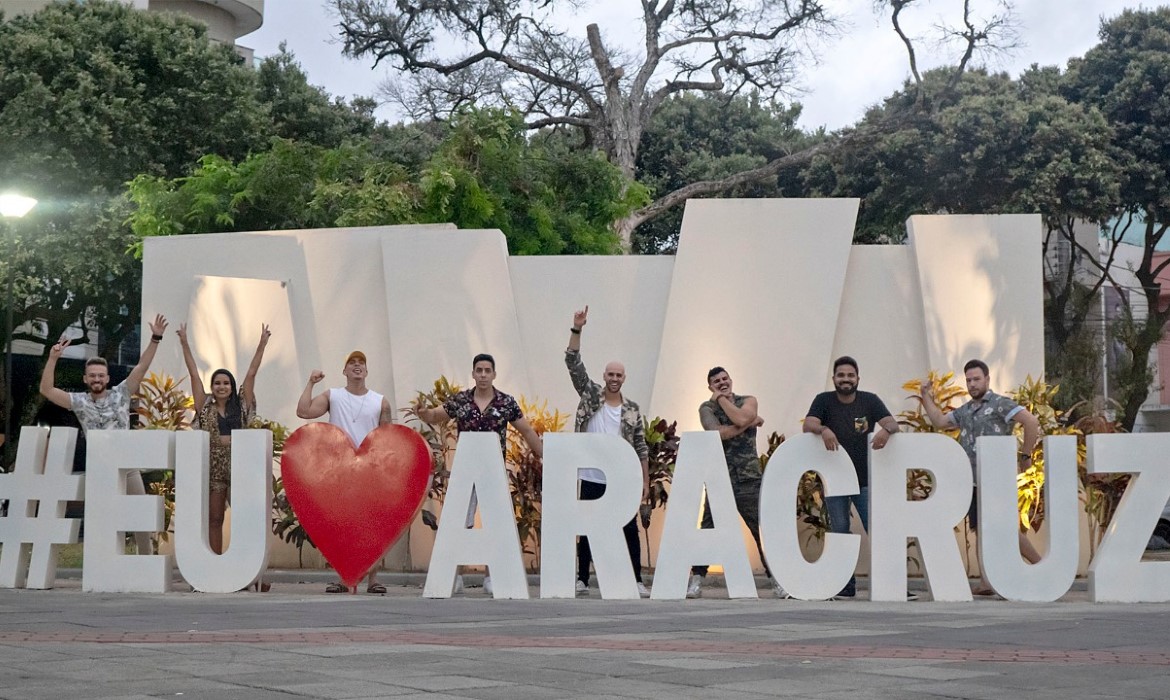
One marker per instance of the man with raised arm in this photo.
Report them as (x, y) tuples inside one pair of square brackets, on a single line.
[(603, 409), (987, 413), (845, 417), (483, 409), (735, 418), (356, 410), (103, 408)]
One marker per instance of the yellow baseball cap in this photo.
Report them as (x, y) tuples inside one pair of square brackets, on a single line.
[(355, 355)]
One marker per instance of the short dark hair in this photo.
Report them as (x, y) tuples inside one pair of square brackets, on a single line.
[(714, 371), (483, 357), (972, 364), (845, 360), (97, 361)]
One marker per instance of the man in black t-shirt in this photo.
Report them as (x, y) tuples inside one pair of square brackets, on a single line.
[(845, 418)]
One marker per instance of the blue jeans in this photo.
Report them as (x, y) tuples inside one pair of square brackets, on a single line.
[(837, 508)]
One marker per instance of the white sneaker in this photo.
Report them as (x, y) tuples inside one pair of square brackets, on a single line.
[(695, 587), (582, 587), (779, 590), (458, 590), (642, 590), (487, 585)]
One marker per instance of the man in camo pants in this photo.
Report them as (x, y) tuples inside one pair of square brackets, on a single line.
[(735, 417)]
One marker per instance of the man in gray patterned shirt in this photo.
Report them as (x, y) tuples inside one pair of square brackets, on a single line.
[(103, 408), (987, 413)]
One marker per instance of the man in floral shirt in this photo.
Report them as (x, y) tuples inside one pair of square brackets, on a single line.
[(603, 409), (483, 409), (987, 413)]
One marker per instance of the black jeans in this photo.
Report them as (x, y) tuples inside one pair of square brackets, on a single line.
[(591, 491)]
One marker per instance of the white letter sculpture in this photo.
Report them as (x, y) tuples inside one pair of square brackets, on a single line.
[(822, 579), (701, 463), (477, 465), (36, 492), (110, 513), (564, 516), (251, 498), (1117, 574), (893, 519), (999, 520)]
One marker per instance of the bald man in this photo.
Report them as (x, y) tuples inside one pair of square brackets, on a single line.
[(603, 409)]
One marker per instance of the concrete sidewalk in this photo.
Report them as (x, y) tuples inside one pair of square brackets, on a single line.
[(298, 642)]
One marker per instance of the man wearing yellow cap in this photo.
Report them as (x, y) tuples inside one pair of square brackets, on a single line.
[(356, 410)]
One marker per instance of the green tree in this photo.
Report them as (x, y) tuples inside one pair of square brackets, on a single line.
[(289, 186), (304, 112), (987, 144), (695, 137), (94, 94), (513, 53), (484, 174), (547, 198), (1127, 77)]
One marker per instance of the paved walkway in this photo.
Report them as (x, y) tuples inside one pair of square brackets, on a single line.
[(299, 642)]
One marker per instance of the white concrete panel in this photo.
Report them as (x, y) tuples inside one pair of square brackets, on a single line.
[(982, 293), (223, 326), (349, 300), (627, 298), (172, 267), (880, 323), (756, 289), (448, 297)]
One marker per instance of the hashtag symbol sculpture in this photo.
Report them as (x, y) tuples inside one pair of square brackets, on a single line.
[(37, 491)]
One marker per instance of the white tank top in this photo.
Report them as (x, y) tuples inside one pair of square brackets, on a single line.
[(356, 415)]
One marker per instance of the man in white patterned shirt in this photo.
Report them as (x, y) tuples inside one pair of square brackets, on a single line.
[(103, 408)]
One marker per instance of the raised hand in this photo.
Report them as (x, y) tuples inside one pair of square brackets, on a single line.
[(580, 317), (56, 350), (182, 333), (265, 334), (159, 325), (316, 376)]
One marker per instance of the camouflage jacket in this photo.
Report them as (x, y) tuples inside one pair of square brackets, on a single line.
[(743, 463), (593, 395)]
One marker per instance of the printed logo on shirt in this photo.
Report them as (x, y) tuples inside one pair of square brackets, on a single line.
[(861, 424)]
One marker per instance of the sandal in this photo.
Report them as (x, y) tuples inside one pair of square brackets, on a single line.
[(983, 592), (376, 588), (337, 588)]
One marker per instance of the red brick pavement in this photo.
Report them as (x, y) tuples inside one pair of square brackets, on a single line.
[(705, 646)]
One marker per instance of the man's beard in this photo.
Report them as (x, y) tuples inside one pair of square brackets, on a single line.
[(846, 389)]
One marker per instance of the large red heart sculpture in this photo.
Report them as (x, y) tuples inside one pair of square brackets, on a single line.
[(354, 504)]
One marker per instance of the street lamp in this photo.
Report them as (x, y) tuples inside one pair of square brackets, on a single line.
[(12, 206)]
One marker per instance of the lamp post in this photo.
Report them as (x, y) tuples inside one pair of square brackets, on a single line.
[(12, 206)]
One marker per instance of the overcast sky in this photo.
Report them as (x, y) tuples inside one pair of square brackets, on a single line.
[(857, 69)]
